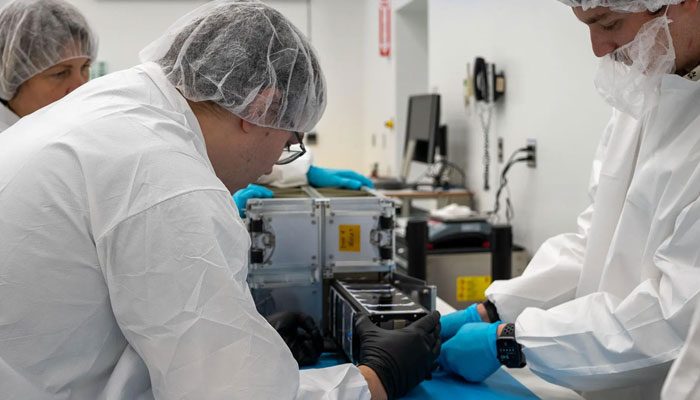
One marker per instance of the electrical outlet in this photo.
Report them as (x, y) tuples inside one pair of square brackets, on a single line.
[(500, 150), (532, 153)]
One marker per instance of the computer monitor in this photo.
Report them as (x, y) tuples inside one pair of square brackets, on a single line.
[(422, 131)]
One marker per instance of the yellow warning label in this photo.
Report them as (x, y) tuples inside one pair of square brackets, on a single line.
[(349, 238), (472, 288)]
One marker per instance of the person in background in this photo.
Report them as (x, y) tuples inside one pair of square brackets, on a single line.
[(605, 311), (46, 48), (123, 261)]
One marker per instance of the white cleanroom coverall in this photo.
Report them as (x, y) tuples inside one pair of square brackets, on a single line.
[(683, 382), (605, 311), (123, 261)]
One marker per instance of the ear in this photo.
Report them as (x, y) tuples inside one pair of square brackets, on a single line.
[(246, 127)]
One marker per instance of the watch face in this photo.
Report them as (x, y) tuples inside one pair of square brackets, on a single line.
[(509, 353)]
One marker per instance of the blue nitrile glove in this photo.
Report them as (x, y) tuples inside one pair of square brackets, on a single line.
[(242, 196), (471, 353), (326, 177), (453, 321)]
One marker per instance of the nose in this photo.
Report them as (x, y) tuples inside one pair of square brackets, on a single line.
[(601, 45)]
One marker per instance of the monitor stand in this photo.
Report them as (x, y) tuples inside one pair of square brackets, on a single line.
[(390, 183)]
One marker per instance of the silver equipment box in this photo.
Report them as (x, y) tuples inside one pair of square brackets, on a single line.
[(304, 236), (305, 240)]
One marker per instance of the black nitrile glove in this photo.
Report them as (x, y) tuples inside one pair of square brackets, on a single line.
[(402, 358), (300, 333)]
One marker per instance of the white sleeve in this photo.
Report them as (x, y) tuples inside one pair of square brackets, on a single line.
[(558, 260), (342, 382), (176, 275), (683, 382), (289, 175), (600, 341)]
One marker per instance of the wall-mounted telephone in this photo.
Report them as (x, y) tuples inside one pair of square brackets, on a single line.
[(488, 87), (481, 86)]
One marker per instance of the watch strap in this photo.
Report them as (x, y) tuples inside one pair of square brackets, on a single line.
[(491, 311), (508, 331)]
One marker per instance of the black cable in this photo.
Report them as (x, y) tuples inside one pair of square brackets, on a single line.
[(427, 172), (504, 182), (515, 153), (455, 167)]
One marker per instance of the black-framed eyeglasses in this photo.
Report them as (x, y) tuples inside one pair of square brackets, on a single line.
[(292, 151)]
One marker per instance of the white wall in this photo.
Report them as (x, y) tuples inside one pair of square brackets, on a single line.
[(378, 103), (549, 66), (338, 29), (125, 27), (388, 81), (411, 65)]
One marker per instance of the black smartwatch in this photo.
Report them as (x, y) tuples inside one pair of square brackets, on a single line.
[(510, 352)]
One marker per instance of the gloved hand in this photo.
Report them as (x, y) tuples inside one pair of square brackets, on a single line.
[(251, 192), (453, 321), (471, 353), (326, 177), (401, 358), (300, 333)]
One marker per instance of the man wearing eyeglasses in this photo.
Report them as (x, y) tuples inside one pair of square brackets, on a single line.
[(123, 261)]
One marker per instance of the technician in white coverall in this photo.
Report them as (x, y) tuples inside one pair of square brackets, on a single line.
[(46, 48), (606, 311), (123, 261)]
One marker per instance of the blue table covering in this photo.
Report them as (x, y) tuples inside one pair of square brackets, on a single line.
[(500, 385)]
